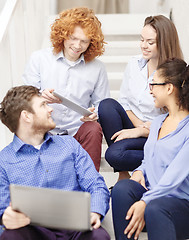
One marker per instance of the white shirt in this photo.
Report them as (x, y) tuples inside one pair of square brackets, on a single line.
[(135, 93), (85, 83)]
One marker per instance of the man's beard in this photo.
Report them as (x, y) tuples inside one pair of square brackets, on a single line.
[(41, 127)]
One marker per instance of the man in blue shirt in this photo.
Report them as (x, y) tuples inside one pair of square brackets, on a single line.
[(35, 158)]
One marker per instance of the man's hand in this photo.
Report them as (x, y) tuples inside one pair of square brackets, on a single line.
[(136, 216), (47, 94), (138, 176), (92, 117), (95, 220), (13, 219)]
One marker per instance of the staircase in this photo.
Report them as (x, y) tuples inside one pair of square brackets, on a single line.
[(122, 34)]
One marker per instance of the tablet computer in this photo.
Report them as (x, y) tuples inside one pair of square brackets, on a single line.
[(53, 208), (74, 106)]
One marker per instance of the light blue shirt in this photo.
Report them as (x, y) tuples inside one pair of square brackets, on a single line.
[(60, 163), (135, 93), (166, 161), (85, 83)]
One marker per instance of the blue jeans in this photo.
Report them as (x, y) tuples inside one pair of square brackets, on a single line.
[(124, 155), (166, 218)]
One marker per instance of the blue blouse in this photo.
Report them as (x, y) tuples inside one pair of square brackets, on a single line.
[(166, 161)]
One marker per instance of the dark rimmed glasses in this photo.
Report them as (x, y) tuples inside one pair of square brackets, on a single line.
[(155, 84)]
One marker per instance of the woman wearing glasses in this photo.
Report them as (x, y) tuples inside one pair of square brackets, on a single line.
[(157, 194), (126, 124)]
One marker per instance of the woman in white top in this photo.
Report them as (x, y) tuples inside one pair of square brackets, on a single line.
[(126, 124)]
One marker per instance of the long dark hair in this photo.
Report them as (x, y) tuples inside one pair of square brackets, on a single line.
[(167, 37), (176, 71)]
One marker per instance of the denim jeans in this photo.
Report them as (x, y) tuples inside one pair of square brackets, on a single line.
[(124, 155), (166, 218)]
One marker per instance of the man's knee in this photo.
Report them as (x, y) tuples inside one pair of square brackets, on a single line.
[(96, 234), (13, 234), (92, 128), (99, 234)]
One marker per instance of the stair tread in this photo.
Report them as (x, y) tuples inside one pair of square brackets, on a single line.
[(121, 44), (116, 59), (113, 75)]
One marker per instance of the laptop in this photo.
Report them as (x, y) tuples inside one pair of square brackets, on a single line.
[(52, 208), (74, 106)]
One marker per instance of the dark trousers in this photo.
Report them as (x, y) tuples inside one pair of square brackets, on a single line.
[(89, 136), (124, 155), (40, 233), (166, 218)]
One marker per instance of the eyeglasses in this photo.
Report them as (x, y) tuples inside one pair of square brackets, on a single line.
[(155, 84)]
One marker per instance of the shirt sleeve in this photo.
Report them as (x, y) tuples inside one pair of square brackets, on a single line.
[(91, 181), (141, 167), (31, 74), (4, 191), (124, 89), (101, 90), (172, 179)]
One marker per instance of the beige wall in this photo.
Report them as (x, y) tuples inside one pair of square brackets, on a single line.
[(180, 10), (99, 6)]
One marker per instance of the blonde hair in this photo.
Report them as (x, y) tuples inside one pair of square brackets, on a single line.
[(64, 26)]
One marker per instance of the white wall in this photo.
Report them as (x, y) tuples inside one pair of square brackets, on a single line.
[(180, 18), (148, 6), (22, 31), (180, 10), (2, 3)]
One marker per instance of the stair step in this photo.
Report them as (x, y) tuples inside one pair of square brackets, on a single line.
[(115, 63), (122, 24), (115, 59), (115, 75), (122, 44), (122, 37), (115, 84), (115, 66), (122, 48), (114, 94)]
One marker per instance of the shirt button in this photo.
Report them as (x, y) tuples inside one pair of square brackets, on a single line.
[(47, 170)]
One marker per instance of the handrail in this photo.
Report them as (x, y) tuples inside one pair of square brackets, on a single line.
[(5, 16)]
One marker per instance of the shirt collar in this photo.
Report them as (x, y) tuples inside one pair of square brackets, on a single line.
[(18, 143), (142, 62), (60, 55)]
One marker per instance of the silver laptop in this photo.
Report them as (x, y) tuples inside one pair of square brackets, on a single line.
[(53, 208)]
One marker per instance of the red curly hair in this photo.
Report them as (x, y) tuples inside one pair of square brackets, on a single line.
[(64, 26)]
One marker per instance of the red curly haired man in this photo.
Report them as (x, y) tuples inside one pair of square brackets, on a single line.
[(71, 68)]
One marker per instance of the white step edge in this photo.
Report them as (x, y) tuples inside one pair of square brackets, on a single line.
[(115, 75), (115, 59), (122, 44)]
